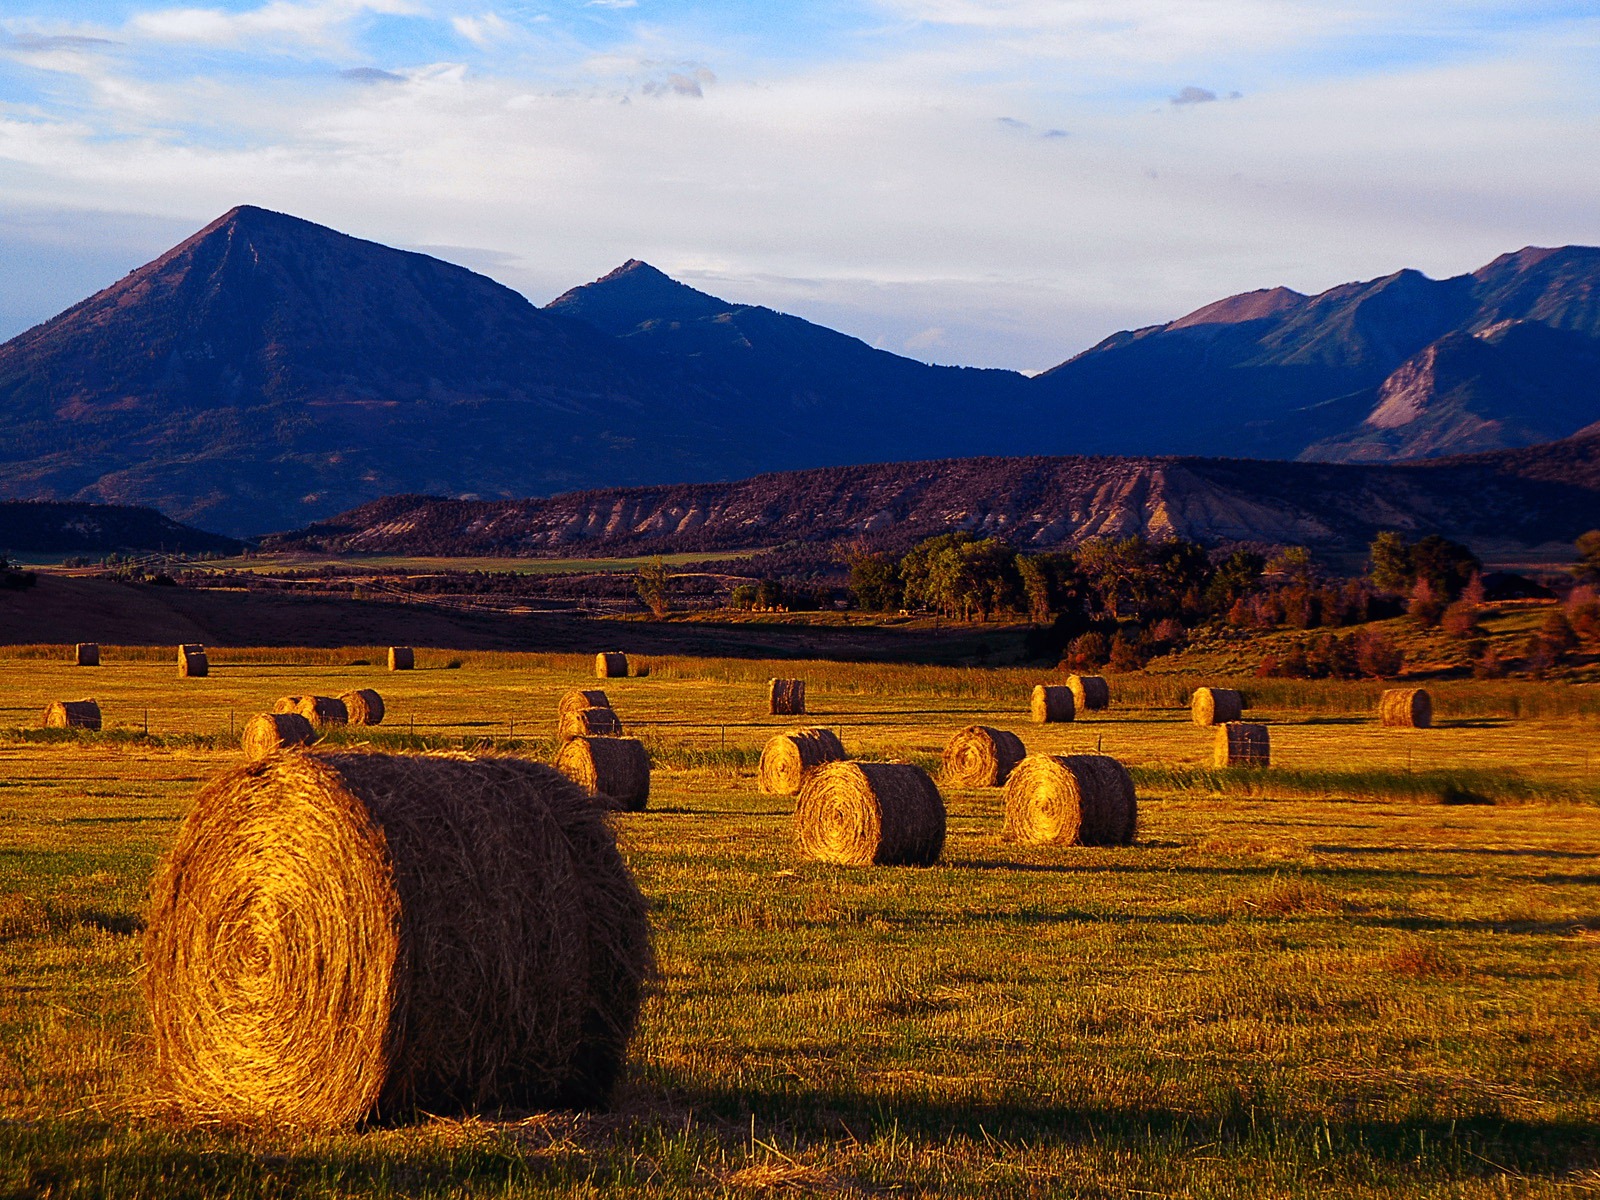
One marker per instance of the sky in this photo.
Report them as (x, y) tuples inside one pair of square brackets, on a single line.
[(984, 182)]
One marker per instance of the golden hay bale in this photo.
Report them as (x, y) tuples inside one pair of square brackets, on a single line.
[(363, 707), (611, 664), (1091, 693), (86, 654), (588, 722), (1405, 708), (402, 658), (979, 756), (319, 710), (1052, 703), (1215, 706), (1240, 744), (339, 937), (1070, 800), (581, 698), (887, 814), (267, 733), (786, 697), (72, 714), (611, 768), (786, 758), (192, 661)]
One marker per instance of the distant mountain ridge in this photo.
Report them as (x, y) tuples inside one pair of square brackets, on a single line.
[(50, 527)]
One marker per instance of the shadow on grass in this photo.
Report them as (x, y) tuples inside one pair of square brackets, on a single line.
[(1495, 851)]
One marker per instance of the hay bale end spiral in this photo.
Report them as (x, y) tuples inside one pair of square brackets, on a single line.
[(1052, 703), (363, 707), (72, 714), (1405, 708), (1070, 800), (860, 814), (1091, 693), (610, 664), (785, 759), (980, 756), (1215, 706), (614, 769), (267, 733)]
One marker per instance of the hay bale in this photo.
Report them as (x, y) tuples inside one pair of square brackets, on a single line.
[(581, 698), (335, 938), (979, 756), (402, 658), (267, 733), (1405, 708), (588, 722), (72, 714), (786, 697), (319, 710), (787, 758), (1091, 693), (615, 769), (1215, 706), (611, 664), (1070, 800), (192, 661), (363, 707), (86, 654), (1052, 703), (884, 814), (1240, 744)]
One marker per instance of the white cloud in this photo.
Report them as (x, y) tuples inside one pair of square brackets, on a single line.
[(317, 23)]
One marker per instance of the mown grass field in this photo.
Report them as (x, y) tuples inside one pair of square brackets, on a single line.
[(1314, 980)]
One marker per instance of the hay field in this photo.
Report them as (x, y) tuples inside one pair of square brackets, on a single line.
[(1312, 980)]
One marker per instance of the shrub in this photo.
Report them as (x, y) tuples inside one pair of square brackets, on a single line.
[(1460, 620), (1557, 631), (1088, 651), (1425, 607), (1377, 657)]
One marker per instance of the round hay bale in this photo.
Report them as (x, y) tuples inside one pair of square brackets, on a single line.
[(611, 664), (334, 938), (883, 814), (581, 698), (86, 654), (1240, 744), (786, 758), (1405, 708), (786, 697), (319, 710), (363, 707), (616, 769), (1070, 800), (192, 661), (72, 714), (402, 658), (588, 722), (1091, 693), (267, 733), (979, 756), (1215, 706), (1052, 703)]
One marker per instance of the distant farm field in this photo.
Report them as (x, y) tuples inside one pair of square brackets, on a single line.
[(1370, 970)]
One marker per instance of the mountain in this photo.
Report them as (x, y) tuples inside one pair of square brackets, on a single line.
[(1505, 501), (46, 527), (1394, 368)]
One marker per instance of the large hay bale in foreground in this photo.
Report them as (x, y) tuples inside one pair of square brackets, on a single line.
[(1052, 703), (1215, 706), (610, 664), (402, 658), (319, 710), (860, 814), (786, 758), (1070, 800), (580, 698), (339, 937), (267, 733), (192, 661), (979, 756), (1405, 708), (786, 697), (1091, 693), (588, 722), (72, 714), (616, 769), (86, 654), (1240, 744), (363, 707)]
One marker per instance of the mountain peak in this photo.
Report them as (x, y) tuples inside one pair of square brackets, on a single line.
[(633, 294), (1247, 306)]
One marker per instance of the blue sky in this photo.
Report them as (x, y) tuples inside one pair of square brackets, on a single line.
[(995, 182)]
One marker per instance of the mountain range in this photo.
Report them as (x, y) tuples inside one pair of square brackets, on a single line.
[(268, 372)]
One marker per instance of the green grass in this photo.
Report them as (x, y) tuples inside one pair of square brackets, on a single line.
[(1313, 980)]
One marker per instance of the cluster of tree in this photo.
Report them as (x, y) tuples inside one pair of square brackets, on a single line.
[(1366, 654), (13, 577)]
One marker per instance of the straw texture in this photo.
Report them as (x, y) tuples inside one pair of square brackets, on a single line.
[(786, 758), (192, 661), (1052, 703), (1240, 744), (614, 769), (321, 711), (1405, 708), (581, 698), (267, 733), (611, 664), (1091, 693), (72, 714), (588, 722), (1070, 800), (363, 707), (334, 938), (402, 658), (786, 697), (1215, 706), (860, 814), (86, 654), (979, 756)]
